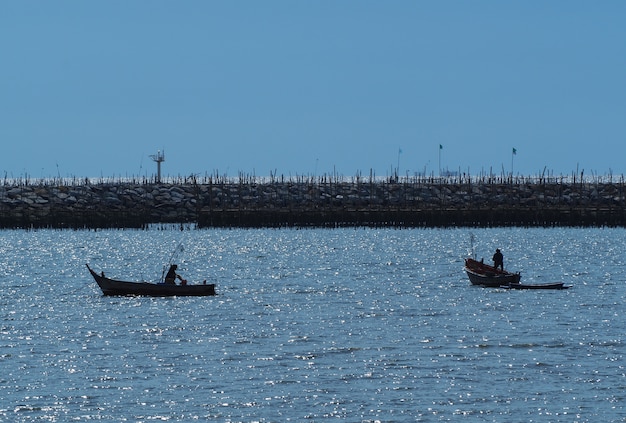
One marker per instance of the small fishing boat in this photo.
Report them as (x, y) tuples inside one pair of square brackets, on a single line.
[(485, 275), (553, 285), (117, 287)]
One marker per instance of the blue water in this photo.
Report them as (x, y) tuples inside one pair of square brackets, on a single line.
[(361, 325)]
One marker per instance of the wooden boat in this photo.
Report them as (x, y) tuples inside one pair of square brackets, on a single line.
[(483, 274), (553, 285), (116, 287)]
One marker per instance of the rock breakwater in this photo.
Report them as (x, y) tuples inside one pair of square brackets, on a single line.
[(323, 203)]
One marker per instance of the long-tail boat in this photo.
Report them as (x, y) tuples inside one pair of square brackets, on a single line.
[(116, 287)]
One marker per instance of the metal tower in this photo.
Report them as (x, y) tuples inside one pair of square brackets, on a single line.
[(159, 157)]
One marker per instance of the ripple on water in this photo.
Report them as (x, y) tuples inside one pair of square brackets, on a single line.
[(363, 325)]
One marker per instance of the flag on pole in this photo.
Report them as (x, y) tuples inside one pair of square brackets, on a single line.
[(514, 151), (440, 147)]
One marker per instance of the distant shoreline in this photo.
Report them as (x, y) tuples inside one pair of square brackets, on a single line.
[(316, 202)]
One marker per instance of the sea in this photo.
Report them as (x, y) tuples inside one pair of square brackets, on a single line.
[(313, 325)]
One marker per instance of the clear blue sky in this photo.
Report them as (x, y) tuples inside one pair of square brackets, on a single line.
[(93, 88)]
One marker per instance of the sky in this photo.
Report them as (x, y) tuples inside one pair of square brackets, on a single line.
[(344, 87)]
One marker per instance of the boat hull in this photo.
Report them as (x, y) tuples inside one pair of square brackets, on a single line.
[(116, 287), (484, 275), (495, 281), (555, 285)]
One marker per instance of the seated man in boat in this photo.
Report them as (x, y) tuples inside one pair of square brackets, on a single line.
[(171, 276), (498, 259)]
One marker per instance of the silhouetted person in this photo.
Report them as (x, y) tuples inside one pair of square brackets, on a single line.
[(171, 276), (498, 259)]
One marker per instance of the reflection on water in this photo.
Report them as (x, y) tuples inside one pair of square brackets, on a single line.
[(360, 324)]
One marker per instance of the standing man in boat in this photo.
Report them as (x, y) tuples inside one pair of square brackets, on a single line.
[(498, 260), (171, 276)]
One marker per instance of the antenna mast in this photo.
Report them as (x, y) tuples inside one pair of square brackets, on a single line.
[(159, 157)]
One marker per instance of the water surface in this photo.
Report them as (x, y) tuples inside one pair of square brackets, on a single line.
[(313, 325)]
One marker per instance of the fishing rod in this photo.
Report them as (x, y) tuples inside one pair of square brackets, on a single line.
[(473, 250), (174, 257)]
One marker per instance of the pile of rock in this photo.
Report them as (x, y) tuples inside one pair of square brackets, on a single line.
[(135, 204)]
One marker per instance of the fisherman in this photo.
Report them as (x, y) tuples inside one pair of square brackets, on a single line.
[(171, 276), (498, 259)]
